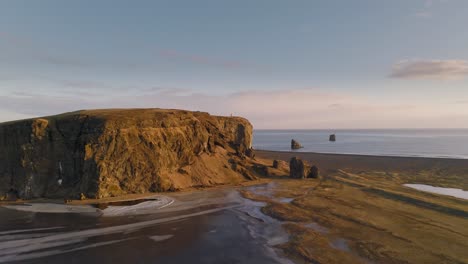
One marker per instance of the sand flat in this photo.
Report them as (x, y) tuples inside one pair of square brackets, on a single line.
[(368, 215)]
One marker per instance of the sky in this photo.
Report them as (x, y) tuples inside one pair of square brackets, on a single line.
[(283, 64)]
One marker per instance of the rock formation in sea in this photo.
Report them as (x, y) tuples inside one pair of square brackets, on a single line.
[(297, 168), (102, 153), (332, 138), (295, 144)]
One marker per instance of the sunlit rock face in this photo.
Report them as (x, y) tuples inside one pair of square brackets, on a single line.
[(102, 153)]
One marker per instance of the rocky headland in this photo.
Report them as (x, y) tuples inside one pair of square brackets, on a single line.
[(105, 153)]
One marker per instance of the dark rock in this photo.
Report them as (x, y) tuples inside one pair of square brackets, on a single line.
[(279, 164), (295, 144), (250, 153), (261, 169), (247, 174), (297, 169), (234, 166), (275, 164), (182, 171), (332, 137), (211, 145), (313, 172), (12, 195)]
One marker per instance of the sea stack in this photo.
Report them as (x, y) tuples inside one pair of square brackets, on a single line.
[(332, 138), (295, 144), (297, 168), (105, 153)]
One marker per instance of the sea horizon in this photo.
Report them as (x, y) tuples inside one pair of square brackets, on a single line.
[(429, 143)]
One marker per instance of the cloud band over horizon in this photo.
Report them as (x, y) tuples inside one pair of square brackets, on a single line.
[(280, 109), (430, 69)]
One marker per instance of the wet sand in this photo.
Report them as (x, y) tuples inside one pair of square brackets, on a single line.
[(211, 226)]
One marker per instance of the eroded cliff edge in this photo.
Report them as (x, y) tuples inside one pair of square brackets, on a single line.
[(102, 153)]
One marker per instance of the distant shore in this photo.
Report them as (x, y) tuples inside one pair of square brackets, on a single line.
[(365, 155), (431, 143), (360, 159), (441, 169)]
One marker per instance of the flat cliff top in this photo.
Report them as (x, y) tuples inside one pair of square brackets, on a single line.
[(136, 114)]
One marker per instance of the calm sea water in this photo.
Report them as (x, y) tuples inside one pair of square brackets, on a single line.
[(440, 143)]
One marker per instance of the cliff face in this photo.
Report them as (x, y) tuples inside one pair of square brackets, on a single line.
[(103, 153)]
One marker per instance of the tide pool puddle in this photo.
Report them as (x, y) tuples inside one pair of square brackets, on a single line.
[(459, 193), (340, 244), (103, 206), (316, 227), (285, 200), (268, 191)]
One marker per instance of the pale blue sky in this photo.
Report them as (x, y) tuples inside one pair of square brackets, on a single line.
[(310, 64)]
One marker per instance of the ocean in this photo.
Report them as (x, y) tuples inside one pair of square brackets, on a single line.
[(435, 143)]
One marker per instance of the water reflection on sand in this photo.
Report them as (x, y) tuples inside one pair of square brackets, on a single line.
[(211, 226), (440, 190)]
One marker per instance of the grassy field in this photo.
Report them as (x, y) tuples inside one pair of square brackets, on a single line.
[(351, 215)]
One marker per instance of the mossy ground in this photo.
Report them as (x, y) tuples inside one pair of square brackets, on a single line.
[(369, 217)]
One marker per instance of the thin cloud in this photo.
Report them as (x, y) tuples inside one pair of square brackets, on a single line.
[(430, 69), (423, 14), (291, 108), (30, 50), (427, 9), (203, 60), (60, 60)]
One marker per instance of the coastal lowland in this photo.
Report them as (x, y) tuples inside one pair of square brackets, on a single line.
[(173, 186), (359, 210)]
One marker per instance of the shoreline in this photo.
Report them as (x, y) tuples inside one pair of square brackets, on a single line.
[(438, 172), (328, 163), (363, 155), (398, 160), (138, 196)]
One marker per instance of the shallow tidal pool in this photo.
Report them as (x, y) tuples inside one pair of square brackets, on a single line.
[(459, 193)]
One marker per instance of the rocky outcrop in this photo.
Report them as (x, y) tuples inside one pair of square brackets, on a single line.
[(297, 168), (276, 164), (313, 172), (295, 144), (261, 170), (102, 153), (250, 153), (281, 165), (332, 138)]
